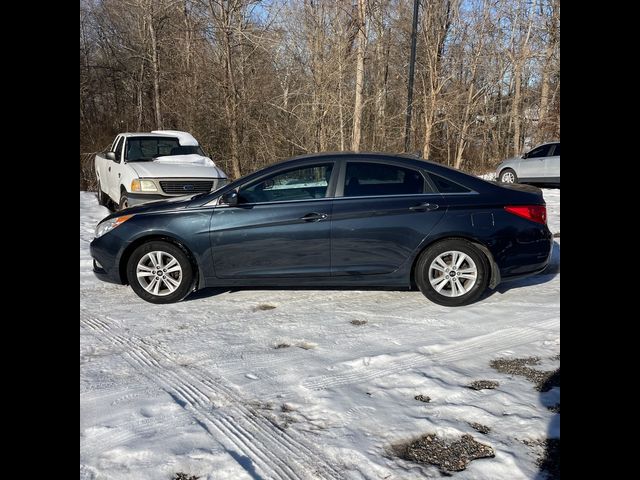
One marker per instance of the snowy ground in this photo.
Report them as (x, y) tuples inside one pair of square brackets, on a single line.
[(288, 384)]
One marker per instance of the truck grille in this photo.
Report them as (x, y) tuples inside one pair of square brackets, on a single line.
[(185, 187)]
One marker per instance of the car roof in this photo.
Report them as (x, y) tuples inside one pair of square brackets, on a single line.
[(363, 155)]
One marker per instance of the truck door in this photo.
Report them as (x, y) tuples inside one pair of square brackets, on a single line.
[(113, 169)]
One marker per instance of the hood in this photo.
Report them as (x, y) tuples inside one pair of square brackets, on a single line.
[(178, 166), (174, 203), (191, 159)]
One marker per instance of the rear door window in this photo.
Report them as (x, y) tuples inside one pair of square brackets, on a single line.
[(364, 179)]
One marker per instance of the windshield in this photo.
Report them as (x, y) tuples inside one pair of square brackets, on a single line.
[(141, 149)]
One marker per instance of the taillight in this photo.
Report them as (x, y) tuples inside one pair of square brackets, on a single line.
[(535, 213)]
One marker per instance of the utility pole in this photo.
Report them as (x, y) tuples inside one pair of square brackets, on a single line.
[(412, 65)]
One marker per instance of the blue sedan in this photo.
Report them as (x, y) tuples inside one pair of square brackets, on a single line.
[(332, 219)]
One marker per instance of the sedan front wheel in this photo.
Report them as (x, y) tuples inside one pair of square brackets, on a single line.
[(160, 272)]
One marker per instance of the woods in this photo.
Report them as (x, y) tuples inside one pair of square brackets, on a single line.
[(260, 81)]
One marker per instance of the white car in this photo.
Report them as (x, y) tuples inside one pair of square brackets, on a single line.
[(143, 167), (540, 165)]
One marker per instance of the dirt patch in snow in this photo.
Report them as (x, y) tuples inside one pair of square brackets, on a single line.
[(282, 345), (264, 306), (483, 429), (484, 385), (449, 456), (422, 398), (544, 380), (184, 476), (358, 322), (549, 459)]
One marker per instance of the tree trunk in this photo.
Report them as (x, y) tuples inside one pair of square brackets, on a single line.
[(156, 73), (515, 109), (357, 108)]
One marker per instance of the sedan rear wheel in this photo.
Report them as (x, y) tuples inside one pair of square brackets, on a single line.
[(452, 273), (160, 272)]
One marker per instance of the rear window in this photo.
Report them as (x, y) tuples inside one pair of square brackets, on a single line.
[(447, 186)]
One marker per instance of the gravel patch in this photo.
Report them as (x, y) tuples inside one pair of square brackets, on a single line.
[(480, 428), (549, 460), (483, 385), (358, 322), (422, 398), (282, 345), (555, 408), (264, 306), (544, 380), (450, 457), (184, 476)]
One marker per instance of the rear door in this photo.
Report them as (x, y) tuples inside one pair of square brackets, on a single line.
[(280, 227), (381, 214), (534, 166)]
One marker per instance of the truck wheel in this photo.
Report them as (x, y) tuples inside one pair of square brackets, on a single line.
[(103, 198), (124, 202)]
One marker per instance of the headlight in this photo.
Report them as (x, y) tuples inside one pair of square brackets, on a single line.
[(143, 186), (108, 225)]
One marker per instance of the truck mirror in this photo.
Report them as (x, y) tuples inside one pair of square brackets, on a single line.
[(111, 156)]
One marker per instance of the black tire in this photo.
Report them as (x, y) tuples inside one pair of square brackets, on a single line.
[(505, 173), (187, 281), (124, 201), (458, 245), (103, 198)]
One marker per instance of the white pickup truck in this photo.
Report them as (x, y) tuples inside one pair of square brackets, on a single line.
[(143, 167)]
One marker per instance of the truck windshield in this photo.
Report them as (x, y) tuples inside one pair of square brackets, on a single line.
[(141, 149)]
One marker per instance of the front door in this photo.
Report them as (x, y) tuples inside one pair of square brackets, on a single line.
[(280, 227), (113, 167), (534, 165)]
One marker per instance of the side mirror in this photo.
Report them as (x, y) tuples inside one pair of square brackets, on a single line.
[(525, 155), (230, 198), (111, 156)]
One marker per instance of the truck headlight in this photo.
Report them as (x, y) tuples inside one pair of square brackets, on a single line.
[(108, 225), (143, 186)]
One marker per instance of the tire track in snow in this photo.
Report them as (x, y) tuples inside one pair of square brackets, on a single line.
[(274, 452), (498, 340), (162, 426), (199, 405)]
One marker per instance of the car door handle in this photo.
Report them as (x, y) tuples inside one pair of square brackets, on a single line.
[(423, 207), (314, 217), (109, 168)]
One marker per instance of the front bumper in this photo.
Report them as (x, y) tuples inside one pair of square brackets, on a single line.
[(106, 259), (136, 199)]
